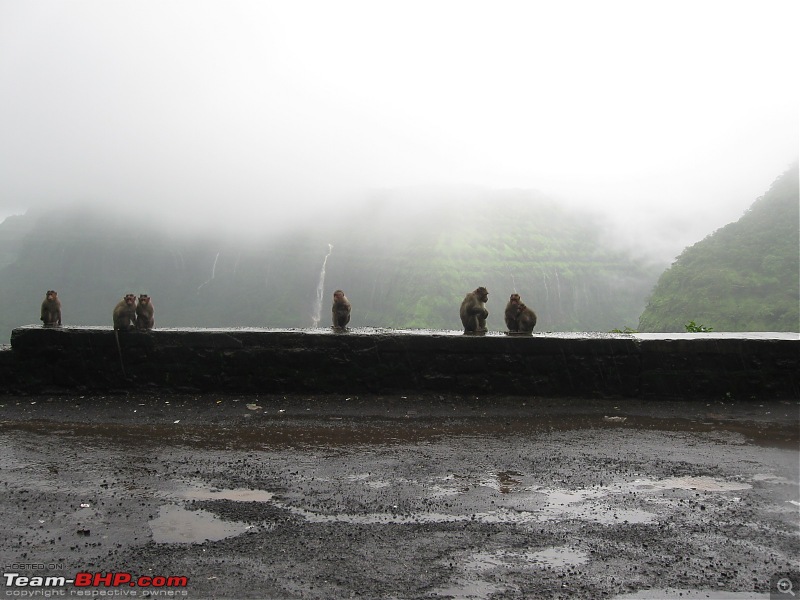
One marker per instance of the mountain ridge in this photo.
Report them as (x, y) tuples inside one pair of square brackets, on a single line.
[(743, 277)]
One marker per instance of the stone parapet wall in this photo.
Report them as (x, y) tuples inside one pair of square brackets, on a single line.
[(717, 366)]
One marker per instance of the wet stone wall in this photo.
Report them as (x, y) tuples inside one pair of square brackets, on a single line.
[(718, 366)]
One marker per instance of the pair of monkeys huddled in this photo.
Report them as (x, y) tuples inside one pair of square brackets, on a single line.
[(519, 318), (129, 315)]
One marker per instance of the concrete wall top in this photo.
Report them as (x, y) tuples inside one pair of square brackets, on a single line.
[(721, 335), (381, 331)]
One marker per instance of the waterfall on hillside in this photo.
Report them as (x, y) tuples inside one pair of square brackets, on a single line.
[(546, 289), (558, 285), (514, 283), (213, 272), (321, 289)]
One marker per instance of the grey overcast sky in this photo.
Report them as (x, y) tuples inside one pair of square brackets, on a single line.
[(671, 115)]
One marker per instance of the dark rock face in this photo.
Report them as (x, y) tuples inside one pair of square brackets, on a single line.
[(717, 366)]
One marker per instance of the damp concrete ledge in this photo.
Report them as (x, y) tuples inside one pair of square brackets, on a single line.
[(705, 365)]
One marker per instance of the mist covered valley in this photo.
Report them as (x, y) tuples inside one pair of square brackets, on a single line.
[(403, 261), (406, 258)]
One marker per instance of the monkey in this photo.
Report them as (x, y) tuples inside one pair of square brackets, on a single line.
[(473, 312), (526, 319), (125, 313), (124, 317), (511, 313), (51, 310), (145, 318), (340, 310)]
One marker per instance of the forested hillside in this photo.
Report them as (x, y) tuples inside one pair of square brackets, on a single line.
[(743, 277), (401, 264)]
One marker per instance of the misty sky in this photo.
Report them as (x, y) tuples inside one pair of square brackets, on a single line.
[(678, 113)]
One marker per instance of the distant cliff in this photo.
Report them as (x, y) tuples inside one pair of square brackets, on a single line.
[(402, 264), (743, 277)]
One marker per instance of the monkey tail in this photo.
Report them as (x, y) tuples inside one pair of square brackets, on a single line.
[(119, 349)]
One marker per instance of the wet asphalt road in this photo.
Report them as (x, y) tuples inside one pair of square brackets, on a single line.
[(400, 497)]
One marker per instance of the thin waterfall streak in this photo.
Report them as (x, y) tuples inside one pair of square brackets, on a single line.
[(213, 273), (558, 284), (514, 283), (546, 289), (321, 289)]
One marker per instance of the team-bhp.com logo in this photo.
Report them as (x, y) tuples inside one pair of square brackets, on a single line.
[(94, 580)]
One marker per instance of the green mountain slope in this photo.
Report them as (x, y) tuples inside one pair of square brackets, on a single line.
[(401, 264), (743, 277)]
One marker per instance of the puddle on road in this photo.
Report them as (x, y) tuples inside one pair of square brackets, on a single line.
[(197, 492), (507, 482), (558, 558), (555, 557), (769, 478), (483, 566), (176, 525), (602, 514), (597, 504), (700, 484), (365, 478), (667, 593), (470, 590), (547, 510), (530, 505)]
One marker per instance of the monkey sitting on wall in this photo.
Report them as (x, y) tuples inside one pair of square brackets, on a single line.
[(340, 310), (526, 319), (511, 314), (51, 310), (125, 313), (145, 318), (473, 312)]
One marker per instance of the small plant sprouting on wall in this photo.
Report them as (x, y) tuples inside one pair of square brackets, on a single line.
[(693, 327)]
